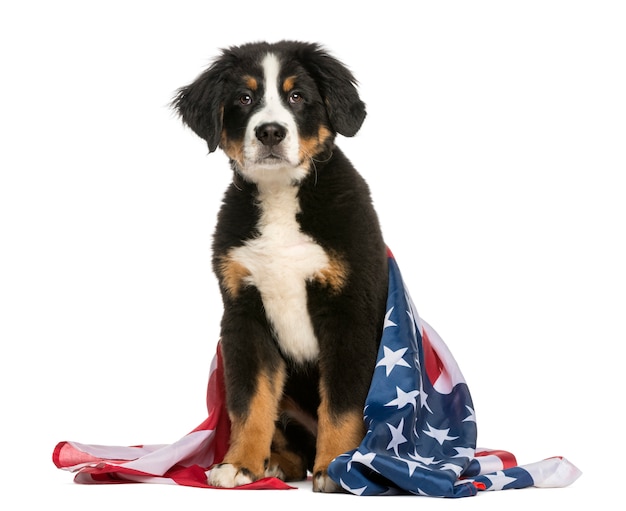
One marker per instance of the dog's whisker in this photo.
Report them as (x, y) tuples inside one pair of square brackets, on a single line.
[(235, 179), (314, 168)]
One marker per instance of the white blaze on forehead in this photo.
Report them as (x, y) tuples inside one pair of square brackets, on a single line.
[(272, 110), (273, 106)]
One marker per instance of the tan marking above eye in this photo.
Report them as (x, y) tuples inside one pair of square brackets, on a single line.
[(289, 83), (251, 82)]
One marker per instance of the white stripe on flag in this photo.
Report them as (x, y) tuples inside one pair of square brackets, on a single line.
[(552, 473), (116, 452), (188, 449)]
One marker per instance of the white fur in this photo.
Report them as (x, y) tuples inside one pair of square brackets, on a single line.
[(227, 476), (255, 168), (280, 261)]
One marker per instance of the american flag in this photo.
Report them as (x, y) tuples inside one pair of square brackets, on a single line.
[(421, 425), (421, 430)]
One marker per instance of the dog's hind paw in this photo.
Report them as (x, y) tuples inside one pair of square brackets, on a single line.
[(226, 475), (275, 471), (324, 484)]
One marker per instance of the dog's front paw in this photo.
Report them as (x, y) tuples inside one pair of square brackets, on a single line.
[(324, 484), (226, 475)]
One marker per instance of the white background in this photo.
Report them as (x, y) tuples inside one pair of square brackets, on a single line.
[(495, 150)]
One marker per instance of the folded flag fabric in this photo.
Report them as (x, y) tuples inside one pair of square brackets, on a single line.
[(421, 425), (184, 462), (421, 430)]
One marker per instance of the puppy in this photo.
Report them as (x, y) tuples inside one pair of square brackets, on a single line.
[(299, 255)]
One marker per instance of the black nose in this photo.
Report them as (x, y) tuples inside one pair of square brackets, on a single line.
[(270, 133)]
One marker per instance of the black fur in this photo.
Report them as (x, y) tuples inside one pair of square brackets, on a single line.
[(335, 211)]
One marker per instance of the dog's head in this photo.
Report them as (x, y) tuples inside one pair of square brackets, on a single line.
[(272, 108)]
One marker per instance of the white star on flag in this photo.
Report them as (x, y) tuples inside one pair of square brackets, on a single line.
[(424, 397), (411, 465), (464, 452), (452, 467), (397, 437), (392, 359), (363, 459), (472, 415), (499, 480), (441, 435), (388, 322), (356, 491), (421, 459), (404, 398), (413, 325)]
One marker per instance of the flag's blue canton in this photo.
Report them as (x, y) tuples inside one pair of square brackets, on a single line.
[(418, 440)]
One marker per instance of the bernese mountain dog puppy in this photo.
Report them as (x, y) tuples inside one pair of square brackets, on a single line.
[(299, 255)]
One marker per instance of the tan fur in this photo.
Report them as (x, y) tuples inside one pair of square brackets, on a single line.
[(251, 435), (309, 147), (336, 434), (288, 83), (232, 148), (232, 274), (292, 466), (335, 275), (251, 82)]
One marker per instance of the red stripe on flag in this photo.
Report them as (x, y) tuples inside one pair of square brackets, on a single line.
[(66, 455), (434, 365), (507, 458), (218, 415)]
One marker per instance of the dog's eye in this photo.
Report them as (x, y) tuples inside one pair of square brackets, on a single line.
[(295, 98), (245, 99)]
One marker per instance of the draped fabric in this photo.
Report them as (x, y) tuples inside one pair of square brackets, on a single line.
[(421, 425), (421, 430)]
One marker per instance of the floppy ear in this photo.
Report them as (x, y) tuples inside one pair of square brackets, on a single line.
[(200, 105), (337, 85)]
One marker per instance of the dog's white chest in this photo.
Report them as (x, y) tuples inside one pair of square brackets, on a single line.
[(281, 261)]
